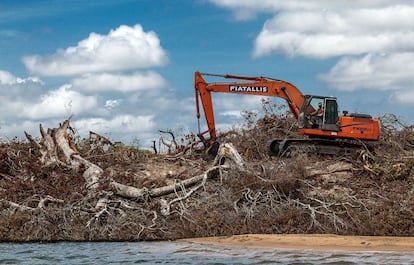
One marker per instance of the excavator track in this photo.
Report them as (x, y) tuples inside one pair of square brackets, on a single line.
[(317, 146)]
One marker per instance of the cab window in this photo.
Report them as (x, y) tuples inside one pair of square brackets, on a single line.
[(331, 111)]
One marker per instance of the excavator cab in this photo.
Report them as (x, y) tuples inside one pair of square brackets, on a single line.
[(319, 113)]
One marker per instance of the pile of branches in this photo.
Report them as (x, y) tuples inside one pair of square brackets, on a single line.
[(60, 188)]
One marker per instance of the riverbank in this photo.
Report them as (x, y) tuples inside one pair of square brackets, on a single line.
[(312, 242)]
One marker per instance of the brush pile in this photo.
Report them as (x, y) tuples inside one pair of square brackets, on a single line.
[(61, 187)]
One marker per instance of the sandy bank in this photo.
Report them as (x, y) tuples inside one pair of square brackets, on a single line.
[(314, 242)]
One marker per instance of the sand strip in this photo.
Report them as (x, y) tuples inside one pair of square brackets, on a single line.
[(313, 242)]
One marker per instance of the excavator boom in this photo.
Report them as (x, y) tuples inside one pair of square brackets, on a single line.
[(259, 86)]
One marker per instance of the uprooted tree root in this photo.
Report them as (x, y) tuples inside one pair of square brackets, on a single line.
[(55, 189)]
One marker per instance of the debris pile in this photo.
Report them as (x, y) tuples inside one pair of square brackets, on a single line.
[(64, 188)]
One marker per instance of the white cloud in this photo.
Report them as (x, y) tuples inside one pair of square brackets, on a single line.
[(119, 82), (228, 108), (248, 9), (383, 71), (59, 103), (100, 68), (25, 105), (404, 97), (232, 113), (119, 125), (322, 34), (29, 98), (323, 28), (6, 78), (372, 41), (16, 128), (112, 103), (124, 48)]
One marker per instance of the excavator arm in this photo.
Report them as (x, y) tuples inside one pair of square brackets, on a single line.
[(260, 86)]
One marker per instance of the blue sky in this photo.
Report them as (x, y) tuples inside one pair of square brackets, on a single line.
[(125, 68)]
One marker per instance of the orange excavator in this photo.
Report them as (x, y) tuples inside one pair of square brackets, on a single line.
[(318, 116)]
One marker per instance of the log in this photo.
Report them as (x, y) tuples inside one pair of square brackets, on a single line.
[(141, 193), (41, 205), (227, 152), (330, 169), (9, 204), (128, 191)]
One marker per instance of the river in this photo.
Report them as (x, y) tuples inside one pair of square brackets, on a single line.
[(183, 253)]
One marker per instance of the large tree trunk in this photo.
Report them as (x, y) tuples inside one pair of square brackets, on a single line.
[(57, 141)]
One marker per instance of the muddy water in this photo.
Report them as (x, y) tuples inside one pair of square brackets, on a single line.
[(183, 253)]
